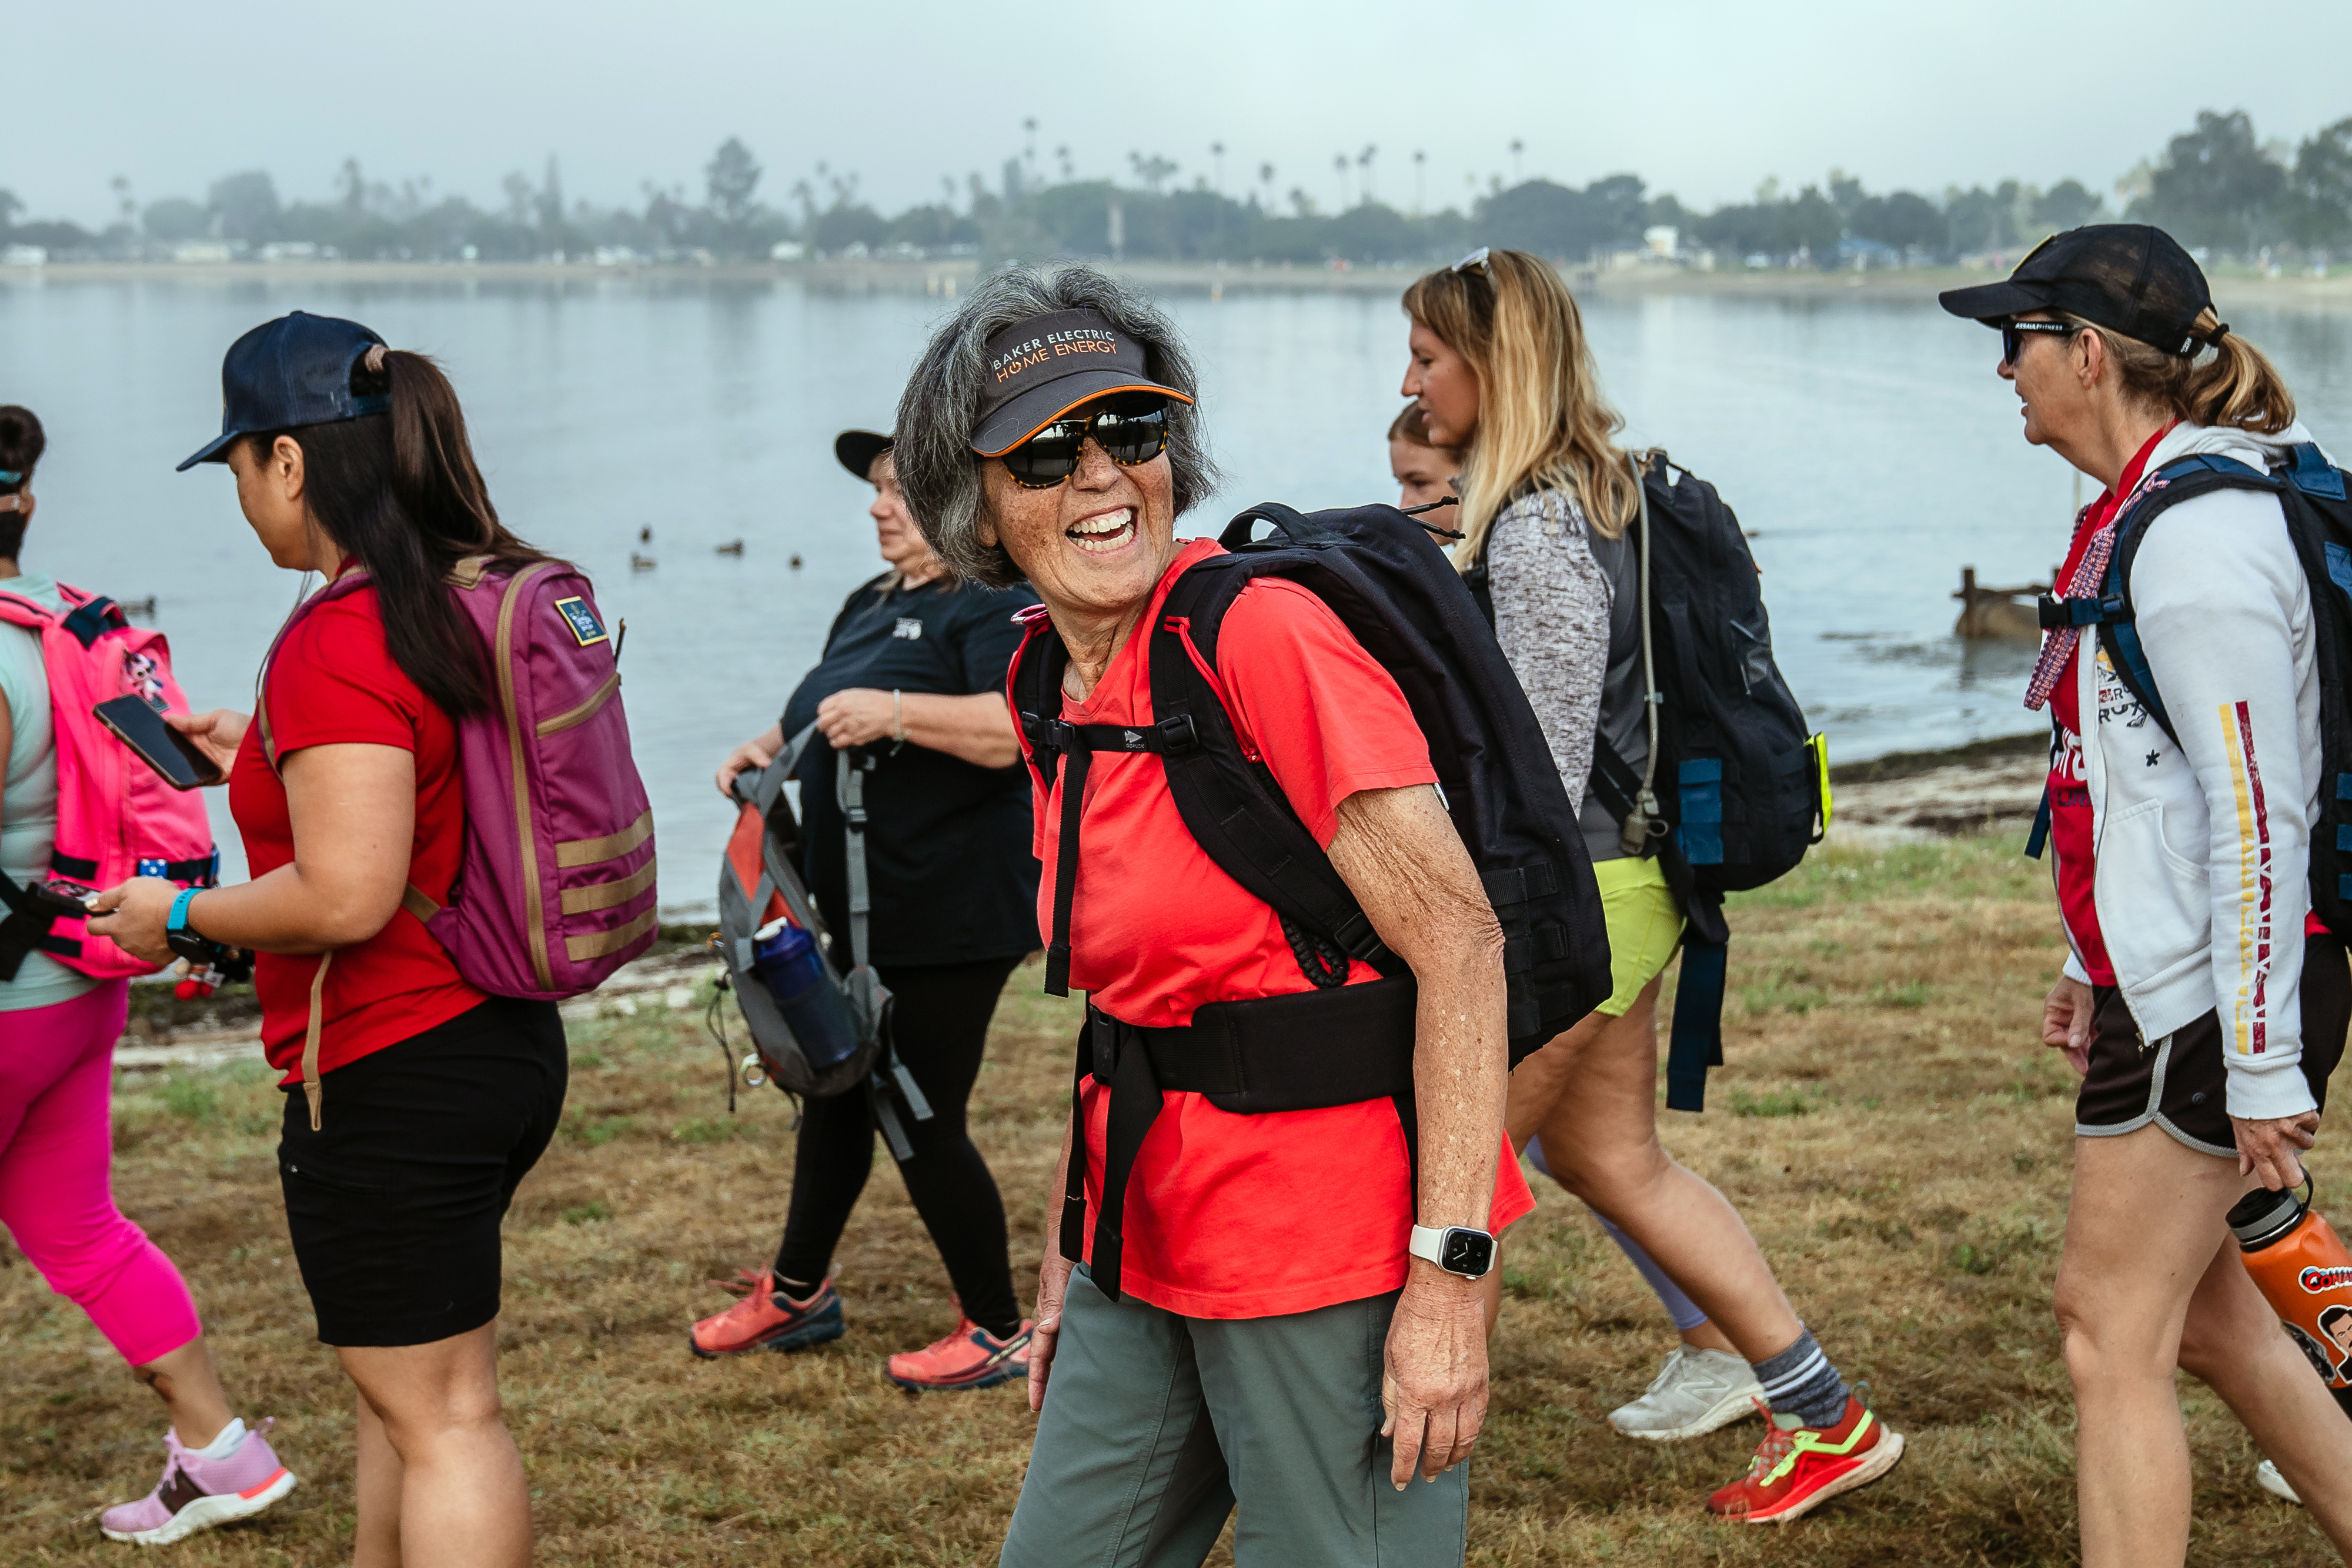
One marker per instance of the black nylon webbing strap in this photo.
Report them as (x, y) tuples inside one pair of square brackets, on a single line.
[(1304, 1051), (1076, 744)]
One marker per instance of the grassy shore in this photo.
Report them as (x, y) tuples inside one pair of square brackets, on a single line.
[(1885, 1121)]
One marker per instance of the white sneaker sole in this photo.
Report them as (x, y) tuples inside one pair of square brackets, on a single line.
[(1882, 1459), (1737, 1405), (206, 1512)]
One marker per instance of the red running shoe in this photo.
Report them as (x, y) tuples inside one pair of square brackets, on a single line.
[(1800, 1467), (767, 1319), (971, 1357)]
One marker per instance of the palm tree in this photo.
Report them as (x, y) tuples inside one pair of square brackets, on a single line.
[(1419, 158), (1265, 178), (1217, 151), (1062, 156), (1364, 162), (1339, 162), (1518, 147)]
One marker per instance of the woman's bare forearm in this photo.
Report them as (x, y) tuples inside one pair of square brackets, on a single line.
[(976, 728), (1399, 853)]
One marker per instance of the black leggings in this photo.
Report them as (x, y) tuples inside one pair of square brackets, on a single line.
[(939, 1025)]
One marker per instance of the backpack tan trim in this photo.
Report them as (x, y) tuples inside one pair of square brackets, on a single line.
[(502, 659), (596, 944), (313, 1090), (611, 846), (584, 711), (605, 894)]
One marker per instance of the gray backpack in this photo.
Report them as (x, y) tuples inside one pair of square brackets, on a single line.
[(814, 1032)]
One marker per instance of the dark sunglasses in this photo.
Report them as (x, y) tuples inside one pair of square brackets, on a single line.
[(1130, 429), (2012, 336)]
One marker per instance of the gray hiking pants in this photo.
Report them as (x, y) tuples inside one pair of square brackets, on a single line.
[(1155, 1425)]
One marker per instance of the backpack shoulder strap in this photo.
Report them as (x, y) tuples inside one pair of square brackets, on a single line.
[(1232, 806), (2179, 481)]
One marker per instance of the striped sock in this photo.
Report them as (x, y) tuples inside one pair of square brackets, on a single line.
[(1800, 1381)]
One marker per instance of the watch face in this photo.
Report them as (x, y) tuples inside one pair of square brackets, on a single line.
[(1470, 1252)]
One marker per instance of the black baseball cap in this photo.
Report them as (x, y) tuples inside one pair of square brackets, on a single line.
[(1040, 368), (855, 449), (287, 374), (2132, 278)]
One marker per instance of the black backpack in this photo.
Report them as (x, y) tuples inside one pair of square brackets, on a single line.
[(1737, 788), (2311, 494), (1335, 1044)]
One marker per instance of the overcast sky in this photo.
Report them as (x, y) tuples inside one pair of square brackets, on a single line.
[(1702, 98)]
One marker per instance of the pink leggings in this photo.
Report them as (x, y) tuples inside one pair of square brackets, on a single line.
[(57, 1140)]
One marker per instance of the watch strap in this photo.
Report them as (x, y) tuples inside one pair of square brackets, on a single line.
[(1427, 1242), (178, 920)]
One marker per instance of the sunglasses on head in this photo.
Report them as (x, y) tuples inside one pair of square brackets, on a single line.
[(2012, 336), (1131, 429), (1475, 261)]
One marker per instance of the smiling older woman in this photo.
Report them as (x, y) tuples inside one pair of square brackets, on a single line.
[(1260, 1332)]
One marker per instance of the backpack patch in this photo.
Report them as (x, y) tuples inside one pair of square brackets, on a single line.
[(585, 628)]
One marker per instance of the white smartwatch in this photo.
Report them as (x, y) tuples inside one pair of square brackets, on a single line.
[(1456, 1249)]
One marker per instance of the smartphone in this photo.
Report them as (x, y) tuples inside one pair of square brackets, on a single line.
[(61, 900), (181, 761)]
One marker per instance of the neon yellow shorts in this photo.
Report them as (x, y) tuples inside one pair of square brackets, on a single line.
[(1645, 925)]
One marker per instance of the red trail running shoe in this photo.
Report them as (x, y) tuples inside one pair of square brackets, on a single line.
[(971, 1357), (767, 1319), (1798, 1466)]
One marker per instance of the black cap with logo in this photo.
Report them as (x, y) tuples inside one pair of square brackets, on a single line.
[(1040, 368), (2131, 279), (287, 374)]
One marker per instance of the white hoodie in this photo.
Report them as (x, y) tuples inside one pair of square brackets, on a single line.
[(2202, 848)]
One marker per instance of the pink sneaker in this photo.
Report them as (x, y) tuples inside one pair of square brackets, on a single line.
[(971, 1357), (197, 1493)]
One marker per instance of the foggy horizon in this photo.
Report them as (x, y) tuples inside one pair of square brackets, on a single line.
[(624, 96)]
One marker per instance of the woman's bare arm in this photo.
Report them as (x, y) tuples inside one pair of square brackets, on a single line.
[(354, 814), (1398, 853), (977, 729)]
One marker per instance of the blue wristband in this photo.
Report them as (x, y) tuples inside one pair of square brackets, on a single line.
[(179, 919)]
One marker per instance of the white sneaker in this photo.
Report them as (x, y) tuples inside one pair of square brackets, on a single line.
[(2267, 1477), (1695, 1391)]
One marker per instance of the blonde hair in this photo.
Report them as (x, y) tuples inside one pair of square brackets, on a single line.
[(1542, 420), (2234, 388)]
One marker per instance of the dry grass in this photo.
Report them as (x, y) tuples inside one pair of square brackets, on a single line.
[(1886, 1123)]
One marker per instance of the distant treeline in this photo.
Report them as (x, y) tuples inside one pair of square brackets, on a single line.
[(2215, 186)]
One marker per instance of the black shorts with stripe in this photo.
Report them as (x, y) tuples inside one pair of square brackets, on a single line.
[(2179, 1082)]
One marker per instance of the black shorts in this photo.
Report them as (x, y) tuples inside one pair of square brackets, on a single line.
[(395, 1203), (2180, 1081)]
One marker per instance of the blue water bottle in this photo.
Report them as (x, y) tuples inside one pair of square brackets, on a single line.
[(788, 963)]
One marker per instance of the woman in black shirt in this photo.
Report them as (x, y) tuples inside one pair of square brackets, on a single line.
[(913, 669)]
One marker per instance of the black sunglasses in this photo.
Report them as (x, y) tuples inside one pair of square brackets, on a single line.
[(2012, 336), (1130, 429)]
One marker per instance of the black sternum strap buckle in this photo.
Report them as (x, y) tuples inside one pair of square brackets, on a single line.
[(2056, 614)]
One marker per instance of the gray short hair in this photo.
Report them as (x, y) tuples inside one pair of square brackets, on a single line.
[(938, 469)]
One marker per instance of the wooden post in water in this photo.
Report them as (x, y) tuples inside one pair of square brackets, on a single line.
[(1995, 612)]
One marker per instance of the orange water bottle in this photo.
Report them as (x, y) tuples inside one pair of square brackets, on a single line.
[(2305, 1274)]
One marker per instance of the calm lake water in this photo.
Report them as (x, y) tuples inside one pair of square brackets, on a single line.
[(1862, 440)]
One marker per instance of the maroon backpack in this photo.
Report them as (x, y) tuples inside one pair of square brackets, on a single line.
[(556, 889)]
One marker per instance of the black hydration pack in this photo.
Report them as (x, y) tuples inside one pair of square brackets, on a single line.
[(1335, 1044), (1746, 785), (2311, 494)]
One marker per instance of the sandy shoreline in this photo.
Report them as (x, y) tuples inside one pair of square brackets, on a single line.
[(951, 277)]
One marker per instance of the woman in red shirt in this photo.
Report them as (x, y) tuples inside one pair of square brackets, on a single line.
[(435, 1099), (1263, 1317)]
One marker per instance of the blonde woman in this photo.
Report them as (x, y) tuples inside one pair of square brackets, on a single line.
[(1501, 371)]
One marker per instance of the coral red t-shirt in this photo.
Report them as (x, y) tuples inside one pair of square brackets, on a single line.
[(333, 681), (1232, 1216)]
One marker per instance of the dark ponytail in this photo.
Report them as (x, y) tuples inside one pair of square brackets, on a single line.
[(401, 493), (21, 445)]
